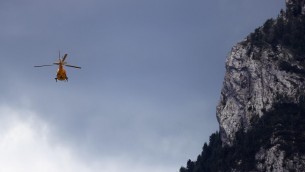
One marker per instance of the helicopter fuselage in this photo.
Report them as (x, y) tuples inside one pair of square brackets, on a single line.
[(61, 74)]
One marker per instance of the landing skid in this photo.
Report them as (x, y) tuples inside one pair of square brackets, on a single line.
[(57, 79)]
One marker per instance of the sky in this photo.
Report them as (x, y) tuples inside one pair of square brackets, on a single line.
[(145, 98)]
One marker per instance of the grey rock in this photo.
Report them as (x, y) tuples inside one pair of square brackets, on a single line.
[(256, 78), (253, 81)]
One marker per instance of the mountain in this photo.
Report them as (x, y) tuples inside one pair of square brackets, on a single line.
[(261, 112)]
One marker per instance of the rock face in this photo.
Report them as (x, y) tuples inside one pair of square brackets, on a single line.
[(261, 111), (273, 159), (262, 70), (253, 82)]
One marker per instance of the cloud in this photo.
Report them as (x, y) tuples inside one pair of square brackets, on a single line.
[(27, 145)]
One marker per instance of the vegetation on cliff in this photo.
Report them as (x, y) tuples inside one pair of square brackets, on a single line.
[(283, 126)]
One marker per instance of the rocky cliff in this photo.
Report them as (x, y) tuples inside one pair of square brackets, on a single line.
[(262, 104), (256, 75)]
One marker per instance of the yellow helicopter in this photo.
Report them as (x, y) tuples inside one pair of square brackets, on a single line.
[(61, 72)]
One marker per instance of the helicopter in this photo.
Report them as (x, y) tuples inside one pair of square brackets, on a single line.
[(61, 72)]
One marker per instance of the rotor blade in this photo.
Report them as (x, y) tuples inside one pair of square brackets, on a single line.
[(43, 65), (56, 63), (73, 66), (64, 58)]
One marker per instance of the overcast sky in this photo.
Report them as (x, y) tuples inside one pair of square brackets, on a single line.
[(146, 95)]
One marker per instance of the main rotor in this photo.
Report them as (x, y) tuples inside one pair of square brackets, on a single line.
[(61, 62)]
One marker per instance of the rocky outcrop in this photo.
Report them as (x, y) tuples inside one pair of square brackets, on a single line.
[(266, 68), (255, 78), (261, 112), (273, 159)]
